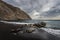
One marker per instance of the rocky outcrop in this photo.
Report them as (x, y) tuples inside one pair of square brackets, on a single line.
[(9, 12)]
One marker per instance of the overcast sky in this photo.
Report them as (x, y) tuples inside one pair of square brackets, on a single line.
[(39, 9)]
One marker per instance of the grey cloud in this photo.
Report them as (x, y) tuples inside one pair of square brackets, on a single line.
[(30, 5), (52, 13), (54, 10)]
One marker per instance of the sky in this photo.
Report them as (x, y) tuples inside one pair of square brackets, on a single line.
[(39, 9)]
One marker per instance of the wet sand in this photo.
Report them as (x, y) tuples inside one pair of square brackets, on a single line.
[(39, 34)]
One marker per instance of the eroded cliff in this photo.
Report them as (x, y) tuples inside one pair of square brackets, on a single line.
[(9, 12)]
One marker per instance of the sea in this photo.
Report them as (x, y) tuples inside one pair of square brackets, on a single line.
[(55, 24)]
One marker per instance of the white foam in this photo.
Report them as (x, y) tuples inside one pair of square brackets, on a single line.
[(52, 31), (15, 22)]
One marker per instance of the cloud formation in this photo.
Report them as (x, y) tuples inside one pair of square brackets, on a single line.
[(39, 9)]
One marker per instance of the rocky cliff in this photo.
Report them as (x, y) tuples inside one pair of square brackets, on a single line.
[(9, 12)]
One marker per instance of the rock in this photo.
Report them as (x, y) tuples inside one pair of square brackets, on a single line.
[(9, 12), (39, 25), (30, 30)]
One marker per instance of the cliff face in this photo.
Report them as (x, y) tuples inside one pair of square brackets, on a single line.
[(9, 12)]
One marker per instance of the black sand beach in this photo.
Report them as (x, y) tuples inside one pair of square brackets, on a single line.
[(38, 34)]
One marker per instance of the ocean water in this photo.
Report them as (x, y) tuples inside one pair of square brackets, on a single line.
[(55, 24)]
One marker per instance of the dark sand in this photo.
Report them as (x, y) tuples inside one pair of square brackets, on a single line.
[(5, 34)]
